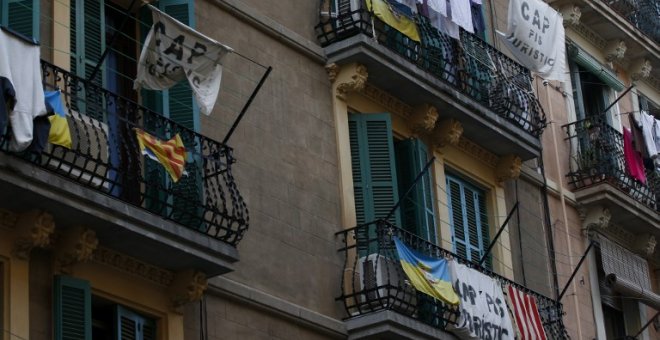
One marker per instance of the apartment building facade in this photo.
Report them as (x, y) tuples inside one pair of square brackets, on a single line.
[(283, 227)]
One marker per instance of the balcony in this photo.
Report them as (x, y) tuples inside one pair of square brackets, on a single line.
[(599, 177), (470, 81), (606, 23), (380, 304), (104, 183)]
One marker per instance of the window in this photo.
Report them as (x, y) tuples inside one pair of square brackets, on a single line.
[(614, 325), (21, 16), (79, 315), (468, 219), (383, 170), (589, 93)]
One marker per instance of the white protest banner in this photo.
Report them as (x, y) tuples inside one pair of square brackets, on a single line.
[(535, 35), (484, 313), (173, 52)]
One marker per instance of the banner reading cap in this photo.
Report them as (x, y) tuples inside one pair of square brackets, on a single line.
[(535, 35), (172, 52)]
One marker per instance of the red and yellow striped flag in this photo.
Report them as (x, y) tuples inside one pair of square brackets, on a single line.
[(171, 154)]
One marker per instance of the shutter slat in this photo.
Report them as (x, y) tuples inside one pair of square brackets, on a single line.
[(22, 16), (73, 309)]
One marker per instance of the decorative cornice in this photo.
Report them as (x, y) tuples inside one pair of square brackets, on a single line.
[(358, 78), (615, 50), (640, 69), (478, 152), (590, 35), (508, 167), (35, 229), (645, 245), (133, 266), (595, 218), (571, 14), (76, 245), (447, 132), (423, 118), (8, 218), (187, 286), (333, 70), (392, 103)]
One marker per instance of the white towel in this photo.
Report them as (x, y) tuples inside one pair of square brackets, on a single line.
[(649, 132), (461, 14), (20, 63)]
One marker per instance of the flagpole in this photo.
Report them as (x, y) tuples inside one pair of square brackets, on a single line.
[(419, 176), (499, 232), (247, 105), (112, 42)]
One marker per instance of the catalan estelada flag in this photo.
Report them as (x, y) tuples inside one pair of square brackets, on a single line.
[(59, 126), (427, 274), (171, 154)]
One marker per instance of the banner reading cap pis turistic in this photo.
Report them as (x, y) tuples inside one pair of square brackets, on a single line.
[(535, 35)]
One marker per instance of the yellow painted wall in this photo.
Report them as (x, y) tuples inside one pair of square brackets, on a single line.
[(473, 169)]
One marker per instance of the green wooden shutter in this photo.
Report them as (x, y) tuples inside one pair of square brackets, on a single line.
[(73, 309), (21, 16), (374, 172), (468, 219), (417, 212), (132, 326)]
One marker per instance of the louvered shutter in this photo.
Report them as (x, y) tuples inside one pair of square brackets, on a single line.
[(468, 219), (417, 212), (187, 202), (374, 173), (72, 309), (132, 326), (21, 16)]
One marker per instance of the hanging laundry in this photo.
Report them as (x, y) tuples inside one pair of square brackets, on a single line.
[(59, 133), (395, 19), (173, 52), (651, 140), (20, 66), (525, 314), (7, 102), (461, 14), (438, 14), (634, 162), (170, 154), (478, 19), (40, 130)]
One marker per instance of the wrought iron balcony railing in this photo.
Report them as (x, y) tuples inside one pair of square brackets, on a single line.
[(471, 66), (643, 14), (105, 156), (597, 157), (378, 282)]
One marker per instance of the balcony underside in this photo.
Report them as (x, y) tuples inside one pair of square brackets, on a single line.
[(395, 74), (389, 325), (626, 211), (119, 226)]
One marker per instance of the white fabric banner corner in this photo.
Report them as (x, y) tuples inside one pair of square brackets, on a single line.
[(173, 52), (535, 35), (484, 313)]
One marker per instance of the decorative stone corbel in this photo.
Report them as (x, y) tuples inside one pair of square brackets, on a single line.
[(76, 245), (571, 14), (508, 167), (615, 50), (7, 218), (645, 245), (333, 70), (423, 118), (640, 69), (187, 286), (447, 132), (34, 230), (357, 77), (595, 218)]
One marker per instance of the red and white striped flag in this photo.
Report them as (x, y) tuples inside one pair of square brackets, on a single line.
[(526, 315)]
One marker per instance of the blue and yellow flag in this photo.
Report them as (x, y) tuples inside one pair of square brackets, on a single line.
[(59, 126), (427, 274), (397, 20)]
